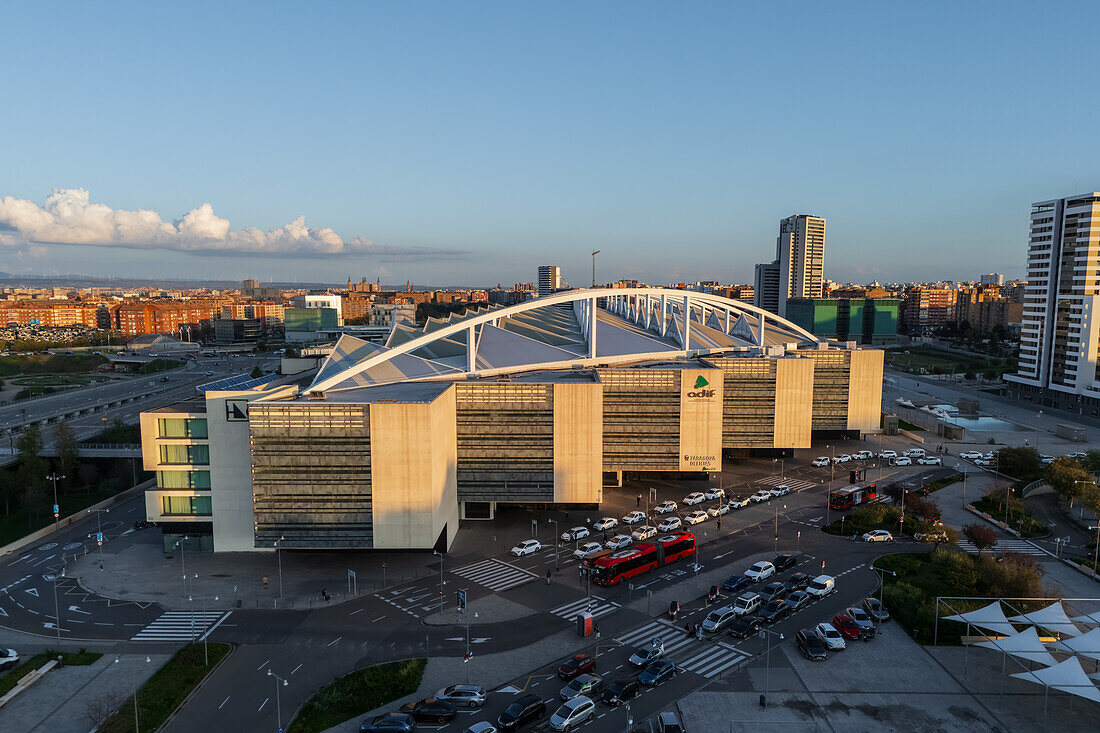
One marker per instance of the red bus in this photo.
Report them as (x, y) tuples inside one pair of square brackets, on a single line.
[(851, 496), (641, 558)]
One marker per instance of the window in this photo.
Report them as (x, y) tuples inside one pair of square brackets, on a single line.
[(178, 427), (183, 479), (185, 455), (186, 506)]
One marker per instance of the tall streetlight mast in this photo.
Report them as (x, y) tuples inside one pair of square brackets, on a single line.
[(594, 253)]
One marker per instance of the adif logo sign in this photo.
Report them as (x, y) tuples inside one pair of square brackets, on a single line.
[(698, 391)]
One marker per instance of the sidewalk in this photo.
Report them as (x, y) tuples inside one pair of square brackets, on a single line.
[(73, 699)]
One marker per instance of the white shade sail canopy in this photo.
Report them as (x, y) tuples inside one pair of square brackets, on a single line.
[(1089, 618), (1086, 645), (1066, 676), (990, 618), (1051, 618), (1025, 645)]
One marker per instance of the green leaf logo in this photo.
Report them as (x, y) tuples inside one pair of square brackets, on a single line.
[(700, 382)]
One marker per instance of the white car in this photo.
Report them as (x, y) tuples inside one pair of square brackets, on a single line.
[(878, 535), (573, 713), (634, 518), (482, 727), (903, 461), (527, 547), (762, 495), (696, 497), (985, 462), (760, 571), (618, 542), (930, 461), (842, 458), (695, 518), (665, 507), (9, 658), (718, 510), (888, 454), (863, 455), (829, 636), (970, 454), (669, 524), (643, 533), (604, 524), (739, 502), (820, 462), (574, 533), (781, 490), (588, 548), (715, 494)]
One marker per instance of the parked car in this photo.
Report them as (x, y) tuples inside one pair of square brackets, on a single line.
[(575, 665), (876, 610), (843, 623), (781, 490), (987, 462), (820, 462), (718, 619), (970, 454), (588, 548), (863, 455), (482, 726), (931, 536), (739, 502), (718, 510), (619, 691), (736, 582), (433, 709), (572, 713), (643, 533), (618, 542), (634, 518), (643, 655), (930, 461), (463, 696), (524, 710), (665, 507), (388, 723), (878, 535), (695, 517), (822, 585), (657, 672), (9, 658), (810, 645), (842, 458), (695, 497), (785, 561), (863, 620), (714, 494), (527, 547), (575, 533), (762, 495), (747, 603), (829, 636), (797, 600), (903, 461), (605, 523), (743, 627), (774, 610), (582, 684), (668, 524), (798, 581), (776, 590), (669, 722), (888, 454), (761, 570)]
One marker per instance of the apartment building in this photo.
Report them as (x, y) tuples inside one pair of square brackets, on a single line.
[(924, 309), (36, 313), (549, 279), (798, 269)]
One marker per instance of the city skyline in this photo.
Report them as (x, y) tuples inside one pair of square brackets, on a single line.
[(433, 162)]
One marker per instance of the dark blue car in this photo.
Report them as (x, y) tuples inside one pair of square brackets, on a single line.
[(657, 672), (391, 722), (736, 583)]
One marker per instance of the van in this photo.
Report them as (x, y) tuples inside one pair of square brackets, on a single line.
[(822, 585), (914, 453), (747, 603)]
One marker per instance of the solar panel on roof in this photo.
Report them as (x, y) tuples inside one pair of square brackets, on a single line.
[(236, 382)]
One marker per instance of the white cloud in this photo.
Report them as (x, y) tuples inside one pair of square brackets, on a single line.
[(69, 218)]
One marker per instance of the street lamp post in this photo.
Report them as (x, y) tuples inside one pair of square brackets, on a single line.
[(56, 507), (765, 633), (56, 608), (278, 699), (776, 537), (901, 519), (133, 681), (557, 540), (99, 532), (205, 650), (829, 488), (279, 558), (441, 597), (1008, 490)]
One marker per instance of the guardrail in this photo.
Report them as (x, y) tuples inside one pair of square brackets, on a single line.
[(1032, 488)]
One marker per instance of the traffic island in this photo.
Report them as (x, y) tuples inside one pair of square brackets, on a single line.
[(357, 693)]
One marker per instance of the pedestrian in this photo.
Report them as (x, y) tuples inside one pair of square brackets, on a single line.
[(698, 632), (265, 581), (588, 521), (548, 576), (605, 538), (687, 629), (596, 628), (638, 501), (719, 524)]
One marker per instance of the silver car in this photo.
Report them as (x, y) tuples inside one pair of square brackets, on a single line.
[(582, 684)]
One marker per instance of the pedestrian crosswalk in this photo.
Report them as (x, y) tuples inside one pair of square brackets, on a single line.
[(795, 484), (598, 607), (181, 626), (706, 658), (1022, 547), (496, 575)]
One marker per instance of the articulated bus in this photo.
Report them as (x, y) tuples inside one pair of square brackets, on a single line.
[(640, 558), (851, 496)]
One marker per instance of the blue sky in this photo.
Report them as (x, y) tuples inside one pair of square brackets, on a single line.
[(466, 143)]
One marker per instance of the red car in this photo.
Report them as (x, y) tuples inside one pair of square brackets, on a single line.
[(575, 665), (847, 627)]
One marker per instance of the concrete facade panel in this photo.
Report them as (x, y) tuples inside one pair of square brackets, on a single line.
[(578, 443), (865, 390), (794, 394)]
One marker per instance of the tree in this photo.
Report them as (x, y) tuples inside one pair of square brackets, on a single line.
[(1067, 477), (257, 372), (31, 476), (1092, 461), (980, 536), (1020, 463), (67, 454)]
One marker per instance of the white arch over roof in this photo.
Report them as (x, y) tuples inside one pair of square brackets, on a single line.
[(666, 312)]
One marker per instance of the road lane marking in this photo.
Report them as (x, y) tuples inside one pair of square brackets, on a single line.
[(296, 668), (262, 704), (262, 666), (338, 638), (224, 702)]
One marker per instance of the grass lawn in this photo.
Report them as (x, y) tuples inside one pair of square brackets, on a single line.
[(920, 578), (21, 523), (936, 360), (356, 693), (69, 659), (11, 366), (873, 516), (1019, 518), (941, 483), (51, 380), (166, 689)]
